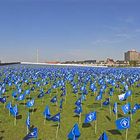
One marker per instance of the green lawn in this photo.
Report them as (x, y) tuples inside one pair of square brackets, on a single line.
[(47, 131)]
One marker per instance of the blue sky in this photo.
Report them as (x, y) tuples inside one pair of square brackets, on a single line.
[(68, 29)]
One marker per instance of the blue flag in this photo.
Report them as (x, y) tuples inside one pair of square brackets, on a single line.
[(32, 134), (21, 97), (78, 102), (28, 121), (3, 100), (14, 111), (126, 108), (47, 113), (56, 117), (74, 133), (90, 117), (115, 108), (135, 108), (128, 93), (78, 110), (61, 103), (30, 103), (54, 99), (103, 137), (123, 123), (41, 95), (106, 102), (9, 105), (99, 97)]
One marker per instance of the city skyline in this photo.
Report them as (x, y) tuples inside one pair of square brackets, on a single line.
[(65, 30)]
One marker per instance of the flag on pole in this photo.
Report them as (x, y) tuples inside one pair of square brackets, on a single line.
[(21, 97), (126, 108), (3, 99), (47, 113), (78, 110), (28, 121), (123, 123), (54, 99), (9, 105), (122, 97), (30, 103), (56, 117), (90, 117), (74, 134), (105, 103), (115, 108), (103, 137), (14, 111), (32, 134)]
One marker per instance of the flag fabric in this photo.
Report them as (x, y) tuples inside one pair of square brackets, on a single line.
[(41, 95), (56, 118), (47, 113), (78, 102), (128, 93), (90, 117), (122, 97), (123, 123), (61, 103), (99, 97), (115, 108), (103, 137), (126, 108), (78, 110), (3, 100), (105, 103), (21, 97), (135, 108), (54, 99), (74, 134), (9, 105), (32, 134), (14, 111), (30, 103), (28, 121)]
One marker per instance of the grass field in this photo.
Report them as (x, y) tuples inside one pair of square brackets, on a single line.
[(47, 131)]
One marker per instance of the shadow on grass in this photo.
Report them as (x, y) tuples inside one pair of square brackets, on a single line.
[(138, 136), (75, 116), (1, 137), (109, 119), (120, 115), (2, 131), (138, 121), (28, 98), (54, 125), (114, 132), (7, 96), (32, 110), (85, 125), (94, 105), (19, 117), (22, 103)]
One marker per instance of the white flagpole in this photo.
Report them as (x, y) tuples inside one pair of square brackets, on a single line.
[(126, 134), (57, 130), (95, 126), (15, 121)]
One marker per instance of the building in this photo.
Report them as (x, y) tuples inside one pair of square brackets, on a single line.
[(89, 62), (110, 62), (132, 56)]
